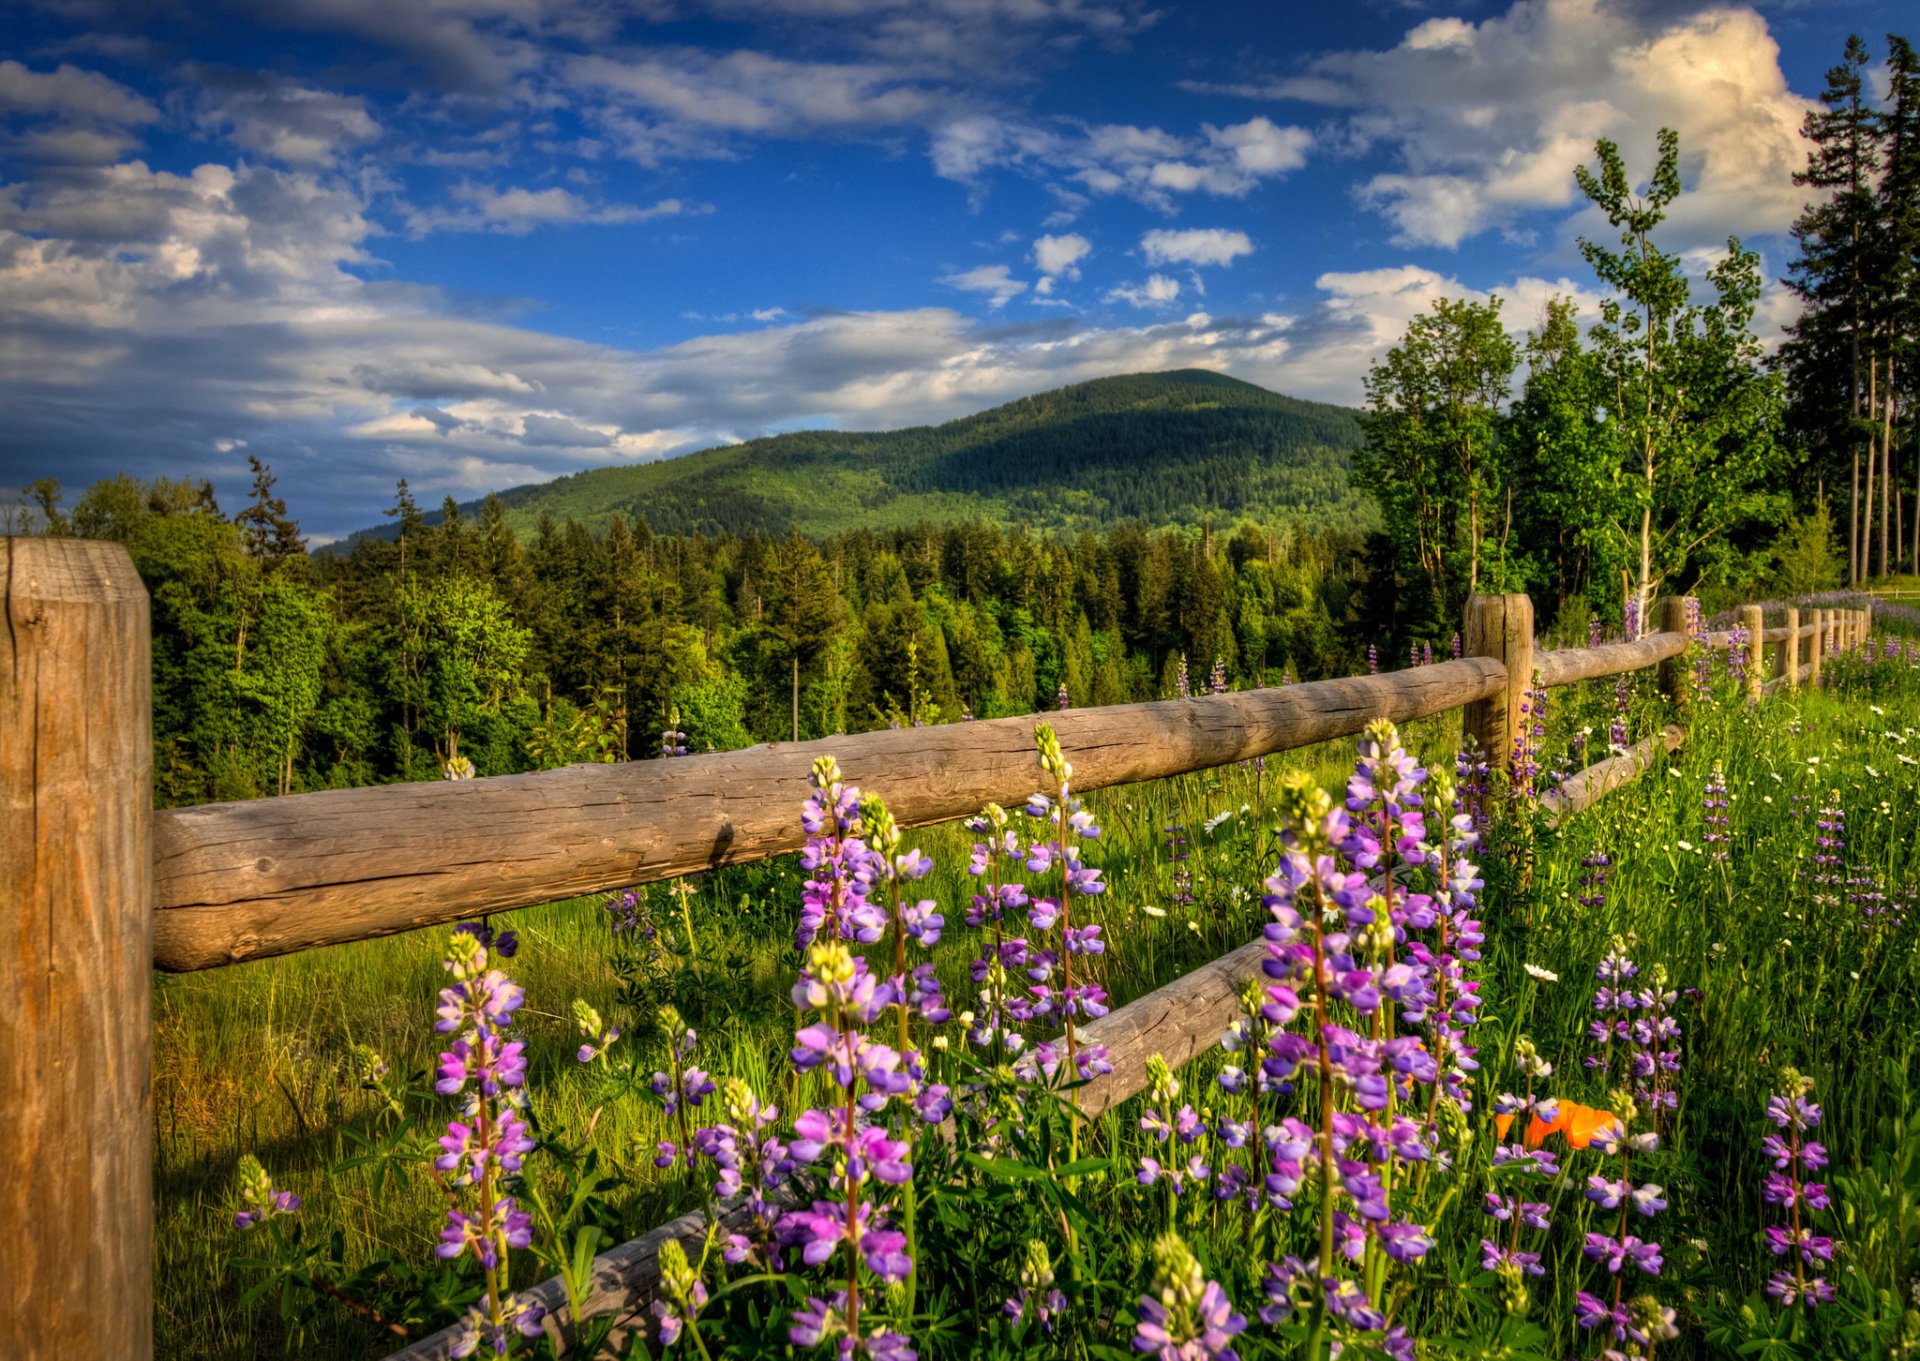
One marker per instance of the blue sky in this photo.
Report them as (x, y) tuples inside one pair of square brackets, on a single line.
[(477, 243)]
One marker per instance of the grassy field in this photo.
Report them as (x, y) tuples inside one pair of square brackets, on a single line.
[(1774, 971)]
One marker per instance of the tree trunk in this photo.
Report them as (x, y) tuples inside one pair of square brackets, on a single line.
[(1873, 455), (1886, 472)]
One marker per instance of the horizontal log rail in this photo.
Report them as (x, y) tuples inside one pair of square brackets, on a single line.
[(238, 881), (1571, 665)]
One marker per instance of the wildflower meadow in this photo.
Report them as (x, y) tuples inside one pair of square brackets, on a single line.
[(1635, 1083)]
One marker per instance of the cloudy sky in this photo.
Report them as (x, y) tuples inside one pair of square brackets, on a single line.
[(477, 243)]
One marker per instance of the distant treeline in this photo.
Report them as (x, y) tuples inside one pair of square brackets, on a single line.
[(276, 670)]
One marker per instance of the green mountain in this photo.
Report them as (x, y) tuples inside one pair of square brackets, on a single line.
[(1166, 448)]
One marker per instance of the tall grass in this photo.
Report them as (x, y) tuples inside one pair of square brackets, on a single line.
[(260, 1057)]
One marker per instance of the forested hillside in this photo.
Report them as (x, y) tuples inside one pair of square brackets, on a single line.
[(1167, 448)]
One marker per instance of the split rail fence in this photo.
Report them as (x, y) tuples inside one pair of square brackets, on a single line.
[(97, 889)]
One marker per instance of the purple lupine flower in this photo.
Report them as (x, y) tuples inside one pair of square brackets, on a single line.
[(488, 1137), (1596, 631), (260, 1200), (1631, 617), (1426, 654), (1069, 824), (1617, 733), (673, 742), (843, 1138), (1063, 700), (1190, 1318), (1794, 1155), (1183, 684), (1654, 1037), (1829, 849), (1595, 868), (1217, 682), (753, 1164), (1714, 804), (841, 873), (520, 1317), (683, 1294), (1373, 660), (1037, 1302), (1456, 647), (1615, 1004)]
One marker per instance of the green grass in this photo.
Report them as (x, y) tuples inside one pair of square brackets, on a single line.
[(256, 1058)]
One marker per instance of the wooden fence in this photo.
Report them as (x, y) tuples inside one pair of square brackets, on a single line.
[(96, 888)]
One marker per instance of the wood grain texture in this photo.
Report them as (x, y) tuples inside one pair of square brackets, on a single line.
[(76, 793), (1817, 648), (245, 880), (1499, 627), (1751, 621), (1790, 648), (1571, 665), (1675, 682)]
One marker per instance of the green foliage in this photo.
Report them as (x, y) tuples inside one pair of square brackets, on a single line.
[(1171, 448), (1433, 460), (458, 658)]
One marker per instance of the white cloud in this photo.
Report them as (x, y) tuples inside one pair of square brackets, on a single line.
[(289, 123), (1488, 119), (1157, 291), (517, 211), (1258, 147), (996, 281), (69, 92), (1195, 246), (1150, 165), (1056, 256)]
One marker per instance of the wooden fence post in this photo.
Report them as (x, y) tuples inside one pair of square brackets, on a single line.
[(1501, 627), (1819, 646), (1792, 649), (1673, 671), (1754, 622), (76, 954)]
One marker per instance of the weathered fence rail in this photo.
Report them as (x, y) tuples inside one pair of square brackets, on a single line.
[(96, 889)]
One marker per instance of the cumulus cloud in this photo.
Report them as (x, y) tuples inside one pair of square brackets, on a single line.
[(286, 122), (69, 92), (1061, 254), (1195, 246), (996, 281), (1488, 119), (1157, 291)]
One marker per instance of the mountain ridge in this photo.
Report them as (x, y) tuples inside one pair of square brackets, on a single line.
[(1175, 447)]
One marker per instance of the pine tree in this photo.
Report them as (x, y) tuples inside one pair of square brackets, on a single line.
[(1898, 266), (271, 537), (412, 524), (1833, 273), (802, 610)]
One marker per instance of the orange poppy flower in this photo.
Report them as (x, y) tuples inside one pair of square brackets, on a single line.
[(1581, 1124)]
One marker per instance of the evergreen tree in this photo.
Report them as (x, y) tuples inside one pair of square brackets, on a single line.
[(803, 611), (272, 537)]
